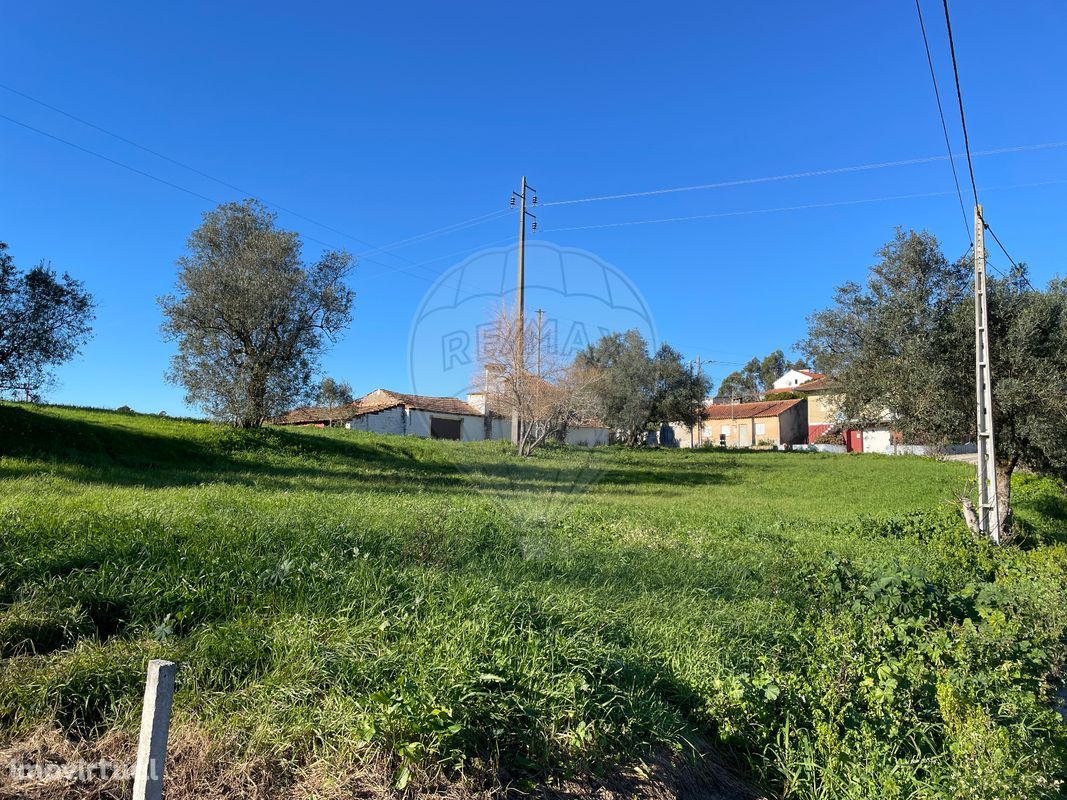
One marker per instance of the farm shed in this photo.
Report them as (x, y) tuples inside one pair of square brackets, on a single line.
[(383, 411)]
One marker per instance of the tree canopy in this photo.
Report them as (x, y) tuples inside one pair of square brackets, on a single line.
[(44, 321), (901, 347), (333, 393), (637, 390), (758, 376), (250, 317)]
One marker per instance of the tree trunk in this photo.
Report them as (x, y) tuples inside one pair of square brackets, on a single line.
[(1004, 470)]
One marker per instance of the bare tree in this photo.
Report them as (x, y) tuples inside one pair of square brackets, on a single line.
[(549, 393)]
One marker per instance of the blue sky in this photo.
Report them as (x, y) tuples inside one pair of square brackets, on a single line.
[(386, 121)]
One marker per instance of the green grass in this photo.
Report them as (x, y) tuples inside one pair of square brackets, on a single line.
[(824, 621)]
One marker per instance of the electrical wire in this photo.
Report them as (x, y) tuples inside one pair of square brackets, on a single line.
[(806, 174), (944, 126), (804, 207), (967, 144), (959, 97), (385, 250), (212, 200)]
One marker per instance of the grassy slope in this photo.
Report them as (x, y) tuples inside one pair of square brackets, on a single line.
[(446, 602)]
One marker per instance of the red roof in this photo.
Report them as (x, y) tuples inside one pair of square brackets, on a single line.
[(822, 382), (767, 408), (810, 374)]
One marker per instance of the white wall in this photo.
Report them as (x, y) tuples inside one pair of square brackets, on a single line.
[(791, 378), (587, 436), (391, 421), (472, 430)]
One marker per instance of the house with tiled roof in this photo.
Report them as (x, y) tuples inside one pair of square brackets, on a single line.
[(795, 377), (385, 411), (767, 423)]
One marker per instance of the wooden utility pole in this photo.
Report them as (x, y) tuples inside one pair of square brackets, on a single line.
[(520, 311), (700, 419), (988, 494)]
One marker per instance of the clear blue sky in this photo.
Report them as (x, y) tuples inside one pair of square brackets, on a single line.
[(388, 120)]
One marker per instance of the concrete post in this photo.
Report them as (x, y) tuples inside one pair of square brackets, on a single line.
[(155, 725)]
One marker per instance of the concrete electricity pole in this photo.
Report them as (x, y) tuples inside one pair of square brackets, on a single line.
[(520, 311), (540, 318), (988, 494)]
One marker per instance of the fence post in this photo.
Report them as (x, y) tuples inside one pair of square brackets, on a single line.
[(155, 725)]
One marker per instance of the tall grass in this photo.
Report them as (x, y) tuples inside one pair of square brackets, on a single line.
[(824, 621)]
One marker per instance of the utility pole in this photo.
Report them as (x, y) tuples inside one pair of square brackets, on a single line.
[(988, 494), (540, 317), (520, 311), (700, 419)]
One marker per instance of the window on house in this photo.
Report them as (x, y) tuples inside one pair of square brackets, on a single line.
[(761, 428), (725, 430)]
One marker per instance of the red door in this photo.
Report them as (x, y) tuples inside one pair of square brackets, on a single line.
[(855, 441)]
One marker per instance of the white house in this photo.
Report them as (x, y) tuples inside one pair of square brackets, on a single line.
[(795, 377)]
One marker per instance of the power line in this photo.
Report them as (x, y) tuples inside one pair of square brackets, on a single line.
[(148, 175), (804, 207), (967, 145), (199, 195), (944, 126), (455, 227), (126, 140), (806, 174), (1003, 249), (959, 97)]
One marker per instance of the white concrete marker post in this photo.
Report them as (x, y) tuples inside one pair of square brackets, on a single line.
[(155, 725)]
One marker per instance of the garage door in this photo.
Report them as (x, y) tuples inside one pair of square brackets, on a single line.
[(443, 428)]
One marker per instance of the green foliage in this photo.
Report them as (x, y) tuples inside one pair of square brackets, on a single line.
[(903, 344), (249, 317), (757, 376), (636, 390), (825, 620), (44, 321), (333, 393)]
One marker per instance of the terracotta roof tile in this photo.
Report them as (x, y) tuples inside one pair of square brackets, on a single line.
[(767, 408), (387, 399), (313, 415), (814, 385)]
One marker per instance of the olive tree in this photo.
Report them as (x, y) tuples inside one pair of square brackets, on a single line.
[(638, 390), (333, 394), (250, 316), (44, 321), (902, 346)]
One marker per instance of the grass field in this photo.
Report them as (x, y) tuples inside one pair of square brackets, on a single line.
[(822, 623)]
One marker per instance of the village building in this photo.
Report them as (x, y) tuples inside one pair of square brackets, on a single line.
[(400, 414), (384, 411), (767, 423), (795, 377)]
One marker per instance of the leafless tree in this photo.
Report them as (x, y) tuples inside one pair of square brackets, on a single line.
[(548, 393)]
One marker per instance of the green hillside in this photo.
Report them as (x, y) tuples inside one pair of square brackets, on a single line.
[(447, 612)]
